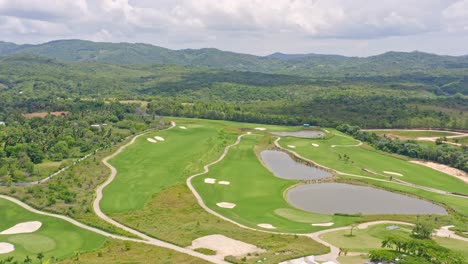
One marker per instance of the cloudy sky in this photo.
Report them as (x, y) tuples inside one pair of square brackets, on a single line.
[(349, 27)]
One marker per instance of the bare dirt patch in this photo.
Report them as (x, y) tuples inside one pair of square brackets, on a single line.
[(225, 246), (445, 169)]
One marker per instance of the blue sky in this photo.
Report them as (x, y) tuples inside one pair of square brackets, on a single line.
[(348, 27)]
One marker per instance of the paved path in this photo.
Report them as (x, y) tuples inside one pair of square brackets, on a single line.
[(148, 239), (445, 232)]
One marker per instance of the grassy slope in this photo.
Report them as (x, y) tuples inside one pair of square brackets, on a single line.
[(365, 157), (257, 193), (414, 134), (55, 238), (146, 168), (116, 251)]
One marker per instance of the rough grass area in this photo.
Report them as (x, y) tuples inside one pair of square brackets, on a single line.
[(173, 215), (56, 238), (206, 251), (116, 251)]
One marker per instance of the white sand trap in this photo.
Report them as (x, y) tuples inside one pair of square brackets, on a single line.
[(224, 183), (267, 226), (182, 127), (315, 145), (324, 224), (210, 180), (26, 227), (6, 248), (249, 133), (158, 138), (151, 140), (226, 205), (291, 146), (225, 246), (260, 128), (393, 173)]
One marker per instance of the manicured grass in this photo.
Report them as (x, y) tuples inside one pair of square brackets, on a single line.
[(257, 193), (414, 134), (145, 168), (365, 239), (55, 238), (366, 158), (454, 244), (116, 251)]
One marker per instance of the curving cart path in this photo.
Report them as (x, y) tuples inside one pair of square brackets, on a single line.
[(144, 237)]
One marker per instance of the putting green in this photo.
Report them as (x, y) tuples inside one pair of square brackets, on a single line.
[(257, 193), (56, 237)]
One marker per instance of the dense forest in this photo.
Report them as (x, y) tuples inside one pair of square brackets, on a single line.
[(26, 80), (453, 156), (27, 141)]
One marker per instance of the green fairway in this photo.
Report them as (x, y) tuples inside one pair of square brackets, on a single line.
[(257, 193), (412, 134), (367, 161), (365, 239), (453, 244), (145, 168), (55, 238)]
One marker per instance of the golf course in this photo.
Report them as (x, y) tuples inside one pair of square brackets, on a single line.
[(263, 191)]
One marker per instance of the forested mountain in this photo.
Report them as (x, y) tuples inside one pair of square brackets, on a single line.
[(30, 83), (387, 64)]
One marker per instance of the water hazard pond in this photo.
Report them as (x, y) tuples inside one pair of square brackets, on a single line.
[(331, 198)]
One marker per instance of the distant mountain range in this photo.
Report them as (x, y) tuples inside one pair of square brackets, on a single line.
[(387, 64)]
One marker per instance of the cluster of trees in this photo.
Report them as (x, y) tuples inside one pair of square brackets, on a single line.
[(411, 250), (25, 142), (442, 153)]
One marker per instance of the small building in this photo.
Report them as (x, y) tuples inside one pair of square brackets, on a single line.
[(306, 125)]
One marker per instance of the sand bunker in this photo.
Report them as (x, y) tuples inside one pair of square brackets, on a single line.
[(158, 138), (182, 127), (267, 226), (291, 146), (26, 227), (324, 224), (260, 128), (224, 183), (6, 248), (225, 246), (210, 180), (393, 173), (315, 145), (226, 205), (151, 140), (249, 133), (445, 169)]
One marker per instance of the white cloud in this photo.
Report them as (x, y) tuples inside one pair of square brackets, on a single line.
[(233, 24)]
